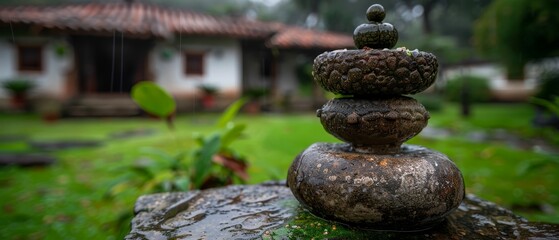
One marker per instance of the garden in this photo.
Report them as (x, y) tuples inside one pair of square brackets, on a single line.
[(79, 178), (502, 157)]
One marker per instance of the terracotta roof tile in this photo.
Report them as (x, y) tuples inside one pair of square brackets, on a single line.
[(135, 18), (152, 20), (297, 37)]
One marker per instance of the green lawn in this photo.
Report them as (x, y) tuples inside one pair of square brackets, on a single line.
[(68, 199)]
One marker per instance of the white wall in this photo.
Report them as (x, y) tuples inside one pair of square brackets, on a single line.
[(7, 63), (49, 81), (496, 75), (222, 66)]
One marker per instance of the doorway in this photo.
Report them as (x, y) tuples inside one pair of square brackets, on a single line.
[(110, 64)]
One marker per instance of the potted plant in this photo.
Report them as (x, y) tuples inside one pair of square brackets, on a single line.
[(18, 89), (254, 95), (208, 95), (49, 109)]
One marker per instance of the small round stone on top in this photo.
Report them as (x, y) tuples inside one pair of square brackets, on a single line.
[(375, 34), (375, 13)]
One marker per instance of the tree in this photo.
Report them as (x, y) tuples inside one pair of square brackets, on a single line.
[(333, 15), (428, 6), (515, 32)]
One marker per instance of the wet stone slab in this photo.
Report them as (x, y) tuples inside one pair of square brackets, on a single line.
[(25, 159), (63, 145), (126, 134), (269, 211)]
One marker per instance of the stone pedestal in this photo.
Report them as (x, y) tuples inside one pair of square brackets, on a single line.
[(270, 211)]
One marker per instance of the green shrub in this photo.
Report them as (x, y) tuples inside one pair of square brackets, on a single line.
[(432, 102), (18, 85), (255, 93), (551, 106), (208, 89), (549, 85), (477, 88), (212, 163)]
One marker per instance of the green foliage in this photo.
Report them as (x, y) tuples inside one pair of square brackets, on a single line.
[(66, 199), (230, 113), (549, 85), (61, 49), (212, 163), (517, 31), (18, 85), (215, 154), (459, 26), (256, 93), (432, 102), (445, 48), (157, 171), (208, 89), (215, 150), (551, 106), (153, 99), (477, 88)]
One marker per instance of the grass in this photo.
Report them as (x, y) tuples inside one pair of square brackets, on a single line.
[(68, 199)]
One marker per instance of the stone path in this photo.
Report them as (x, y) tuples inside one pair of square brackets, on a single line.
[(498, 135), (62, 145), (37, 155), (25, 159), (126, 134)]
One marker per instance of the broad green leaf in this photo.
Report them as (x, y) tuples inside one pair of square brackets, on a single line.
[(233, 132), (153, 99), (155, 152), (203, 160), (163, 176), (551, 106), (230, 113), (145, 171), (198, 138), (182, 183), (159, 155), (119, 188), (149, 186), (179, 160)]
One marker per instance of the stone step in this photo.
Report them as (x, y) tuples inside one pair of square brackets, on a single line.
[(102, 106)]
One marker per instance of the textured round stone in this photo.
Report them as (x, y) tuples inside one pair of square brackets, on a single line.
[(375, 35), (376, 13), (412, 190), (371, 72), (374, 125)]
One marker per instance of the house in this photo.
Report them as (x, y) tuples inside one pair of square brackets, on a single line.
[(88, 54), (502, 89)]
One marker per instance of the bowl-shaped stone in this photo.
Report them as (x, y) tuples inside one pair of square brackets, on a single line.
[(374, 125), (372, 72), (409, 191)]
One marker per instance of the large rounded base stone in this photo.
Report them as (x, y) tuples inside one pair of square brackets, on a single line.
[(409, 191)]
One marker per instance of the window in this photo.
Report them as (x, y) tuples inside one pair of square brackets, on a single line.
[(194, 63), (30, 58)]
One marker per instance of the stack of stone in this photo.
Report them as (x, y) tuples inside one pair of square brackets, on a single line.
[(372, 180)]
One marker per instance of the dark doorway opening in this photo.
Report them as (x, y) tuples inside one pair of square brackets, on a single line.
[(100, 67)]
